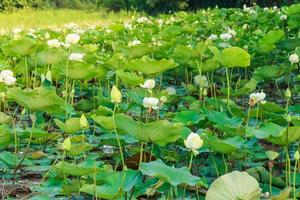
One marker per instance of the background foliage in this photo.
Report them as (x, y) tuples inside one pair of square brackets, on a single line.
[(150, 6)]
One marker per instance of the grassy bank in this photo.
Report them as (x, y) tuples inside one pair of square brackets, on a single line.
[(29, 18)]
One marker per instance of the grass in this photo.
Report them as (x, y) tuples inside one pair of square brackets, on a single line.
[(30, 18)]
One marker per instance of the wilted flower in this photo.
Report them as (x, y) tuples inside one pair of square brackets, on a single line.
[(201, 81), (148, 84), (294, 58), (213, 37), (151, 103), (193, 142), (134, 43), (257, 97), (54, 43), (171, 91), (76, 56), (115, 95), (72, 38), (6, 76)]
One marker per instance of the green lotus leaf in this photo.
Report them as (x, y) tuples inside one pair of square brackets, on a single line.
[(104, 121), (224, 146), (71, 169), (79, 148), (12, 161), (161, 132), (275, 134), (72, 125), (174, 176), (51, 56), (234, 57), (182, 54), (129, 78), (233, 186), (77, 70), (115, 184), (22, 47), (4, 118), (38, 99), (150, 66), (5, 135), (188, 118)]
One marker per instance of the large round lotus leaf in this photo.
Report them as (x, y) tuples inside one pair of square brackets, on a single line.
[(182, 54), (51, 56), (77, 70), (188, 117), (129, 78), (5, 136), (104, 121), (150, 66), (268, 72), (227, 145), (272, 37), (234, 57), (117, 61), (233, 186), (161, 132), (174, 176), (4, 118), (21, 47), (38, 99), (115, 184), (71, 125), (81, 169)]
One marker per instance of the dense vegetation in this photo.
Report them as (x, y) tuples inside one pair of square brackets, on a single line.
[(198, 105), (150, 6)]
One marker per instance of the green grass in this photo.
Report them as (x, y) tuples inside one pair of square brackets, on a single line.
[(29, 18)]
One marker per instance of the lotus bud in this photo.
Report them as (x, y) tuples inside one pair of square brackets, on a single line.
[(83, 122), (115, 95), (66, 145), (288, 93)]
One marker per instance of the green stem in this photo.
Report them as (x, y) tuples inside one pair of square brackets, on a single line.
[(270, 181), (225, 164), (117, 136), (294, 179), (141, 154), (228, 89)]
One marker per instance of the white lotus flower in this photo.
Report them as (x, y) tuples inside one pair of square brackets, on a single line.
[(201, 81), (151, 103), (294, 58), (134, 43), (171, 91), (72, 38), (257, 97), (231, 32), (283, 17), (148, 84), (6, 76), (225, 36), (54, 43), (76, 56), (213, 37), (193, 142)]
